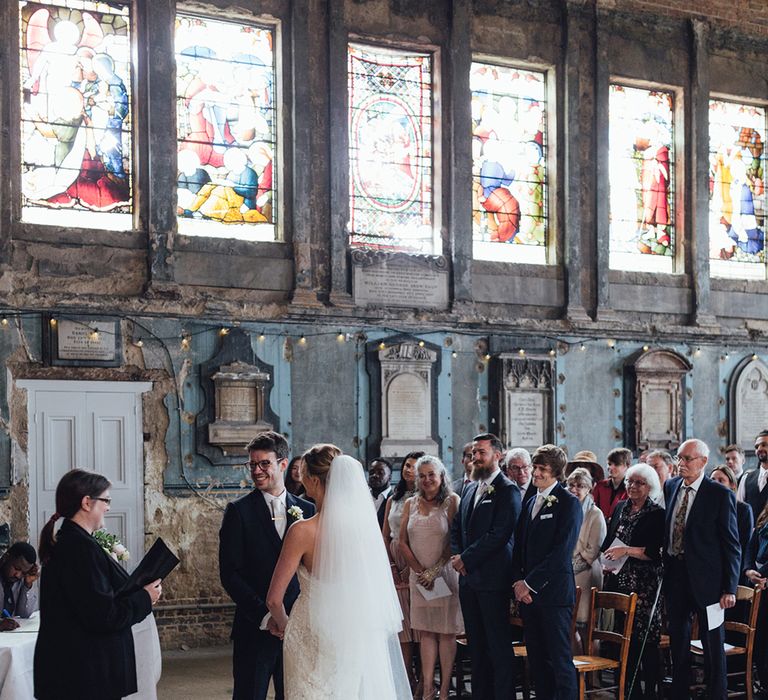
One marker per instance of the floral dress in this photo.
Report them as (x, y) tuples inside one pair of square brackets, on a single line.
[(645, 528)]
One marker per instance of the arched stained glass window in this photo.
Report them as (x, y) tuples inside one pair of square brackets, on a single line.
[(76, 113), (737, 190), (642, 179), (390, 150), (226, 129), (509, 176)]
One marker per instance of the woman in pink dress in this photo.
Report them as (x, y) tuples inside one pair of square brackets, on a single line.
[(425, 544)]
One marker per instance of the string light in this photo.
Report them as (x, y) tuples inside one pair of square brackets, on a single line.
[(646, 348), (382, 345), (454, 354), (697, 352), (94, 335), (521, 352), (341, 337), (53, 322), (552, 352), (223, 332), (754, 356), (487, 357), (185, 340), (582, 347), (303, 340), (262, 337), (421, 343), (139, 343), (612, 344)]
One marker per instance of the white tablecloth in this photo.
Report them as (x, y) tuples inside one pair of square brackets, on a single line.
[(17, 652)]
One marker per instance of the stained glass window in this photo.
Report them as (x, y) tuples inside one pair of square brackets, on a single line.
[(642, 179), (226, 123), (76, 113), (390, 150), (736, 189), (509, 176)]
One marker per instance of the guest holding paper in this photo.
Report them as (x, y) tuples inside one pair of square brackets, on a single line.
[(425, 544), (634, 541), (85, 647)]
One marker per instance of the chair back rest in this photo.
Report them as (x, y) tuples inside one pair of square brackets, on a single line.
[(747, 627), (575, 612), (618, 602)]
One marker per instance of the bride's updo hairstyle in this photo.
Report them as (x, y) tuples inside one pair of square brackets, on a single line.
[(318, 458)]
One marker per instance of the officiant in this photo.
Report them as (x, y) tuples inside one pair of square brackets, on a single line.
[(85, 649)]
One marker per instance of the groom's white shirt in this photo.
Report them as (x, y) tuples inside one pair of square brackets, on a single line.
[(483, 484), (277, 509)]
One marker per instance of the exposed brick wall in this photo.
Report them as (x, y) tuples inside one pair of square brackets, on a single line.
[(751, 16), (194, 622)]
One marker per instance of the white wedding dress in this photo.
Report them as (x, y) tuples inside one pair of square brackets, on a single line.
[(341, 640)]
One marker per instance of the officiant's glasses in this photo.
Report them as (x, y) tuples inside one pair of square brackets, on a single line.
[(108, 501)]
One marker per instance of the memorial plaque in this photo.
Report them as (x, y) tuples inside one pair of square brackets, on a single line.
[(750, 403), (82, 341), (406, 399), (397, 279), (526, 419)]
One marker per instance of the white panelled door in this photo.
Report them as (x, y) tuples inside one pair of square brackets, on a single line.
[(95, 426)]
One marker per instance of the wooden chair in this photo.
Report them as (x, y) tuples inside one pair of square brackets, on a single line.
[(740, 639), (586, 664)]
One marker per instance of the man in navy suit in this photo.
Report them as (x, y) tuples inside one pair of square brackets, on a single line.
[(250, 541), (701, 565), (481, 542), (544, 583)]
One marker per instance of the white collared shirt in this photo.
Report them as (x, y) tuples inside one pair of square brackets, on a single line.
[(378, 500), (277, 511), (539, 500), (694, 489), (762, 477), (483, 484)]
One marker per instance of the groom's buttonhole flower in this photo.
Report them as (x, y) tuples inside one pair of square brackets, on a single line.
[(111, 545), (550, 500), (296, 513), (490, 490)]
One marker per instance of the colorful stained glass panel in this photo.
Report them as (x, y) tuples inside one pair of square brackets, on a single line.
[(509, 175), (642, 179), (736, 189), (390, 150), (226, 123), (76, 113)]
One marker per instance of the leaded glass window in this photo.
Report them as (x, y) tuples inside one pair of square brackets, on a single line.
[(76, 113), (737, 190), (642, 179), (226, 129), (390, 150), (509, 175)]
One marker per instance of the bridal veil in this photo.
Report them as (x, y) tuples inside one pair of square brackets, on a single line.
[(354, 609)]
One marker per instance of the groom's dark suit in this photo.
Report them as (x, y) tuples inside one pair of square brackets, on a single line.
[(543, 559), (482, 535), (249, 548)]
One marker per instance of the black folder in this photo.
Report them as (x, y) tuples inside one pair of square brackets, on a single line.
[(157, 563)]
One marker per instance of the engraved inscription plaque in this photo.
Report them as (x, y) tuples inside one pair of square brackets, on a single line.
[(526, 429), (749, 403), (526, 397)]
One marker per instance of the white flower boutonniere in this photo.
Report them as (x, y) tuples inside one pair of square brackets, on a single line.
[(296, 513), (490, 491), (549, 501)]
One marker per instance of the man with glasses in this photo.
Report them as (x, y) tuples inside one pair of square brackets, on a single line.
[(519, 471), (250, 541), (752, 487), (701, 565)]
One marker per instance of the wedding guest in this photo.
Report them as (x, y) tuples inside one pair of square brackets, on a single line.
[(458, 485), (481, 541), (735, 458), (752, 486), (756, 572), (392, 518), (586, 555), (519, 471), (84, 649), (664, 465), (293, 483), (379, 476), (610, 491), (544, 584), (638, 523), (744, 520), (18, 575), (425, 544)]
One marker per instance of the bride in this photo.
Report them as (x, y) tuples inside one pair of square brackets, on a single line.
[(340, 642)]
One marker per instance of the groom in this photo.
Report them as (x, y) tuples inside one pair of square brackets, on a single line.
[(250, 541), (481, 542)]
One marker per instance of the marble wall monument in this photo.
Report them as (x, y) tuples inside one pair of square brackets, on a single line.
[(406, 399), (749, 403)]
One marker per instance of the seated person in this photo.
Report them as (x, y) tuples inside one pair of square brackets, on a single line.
[(18, 576)]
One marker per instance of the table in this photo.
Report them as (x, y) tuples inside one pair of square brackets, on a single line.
[(17, 653)]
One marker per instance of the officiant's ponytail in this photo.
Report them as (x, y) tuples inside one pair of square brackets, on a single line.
[(70, 491)]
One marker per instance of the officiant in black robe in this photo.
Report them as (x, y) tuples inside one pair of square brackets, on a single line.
[(250, 541)]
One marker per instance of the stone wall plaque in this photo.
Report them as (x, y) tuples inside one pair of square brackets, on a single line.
[(526, 400), (655, 414), (83, 341), (406, 399), (397, 279), (749, 403)]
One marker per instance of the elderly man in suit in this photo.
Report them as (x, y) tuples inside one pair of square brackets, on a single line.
[(544, 583), (701, 565), (250, 541), (458, 485), (481, 542)]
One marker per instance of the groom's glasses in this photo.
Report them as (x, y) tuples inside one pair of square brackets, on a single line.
[(264, 465)]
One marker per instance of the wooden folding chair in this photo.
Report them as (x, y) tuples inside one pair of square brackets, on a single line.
[(739, 641), (586, 664)]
